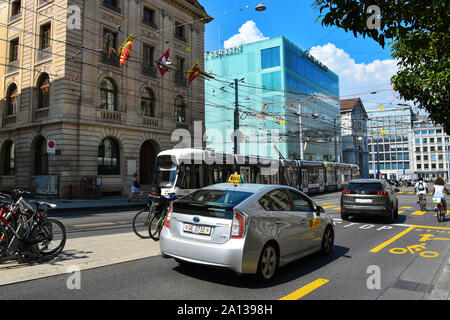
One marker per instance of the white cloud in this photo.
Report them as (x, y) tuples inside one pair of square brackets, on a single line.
[(358, 77), (248, 33)]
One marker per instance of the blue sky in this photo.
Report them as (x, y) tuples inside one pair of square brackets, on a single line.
[(361, 64)]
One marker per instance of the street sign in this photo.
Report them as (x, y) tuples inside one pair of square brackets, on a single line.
[(51, 147)]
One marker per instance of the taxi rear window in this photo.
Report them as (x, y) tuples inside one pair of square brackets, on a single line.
[(211, 203)]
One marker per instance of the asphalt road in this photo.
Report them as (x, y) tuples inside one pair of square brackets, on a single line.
[(370, 260)]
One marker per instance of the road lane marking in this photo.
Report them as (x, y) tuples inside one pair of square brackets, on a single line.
[(338, 208), (394, 238), (93, 224), (418, 213), (305, 290), (327, 207), (401, 212), (406, 207)]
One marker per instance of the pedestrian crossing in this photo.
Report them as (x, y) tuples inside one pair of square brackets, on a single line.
[(407, 209)]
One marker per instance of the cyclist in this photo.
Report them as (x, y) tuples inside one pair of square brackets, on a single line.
[(439, 191), (421, 190)]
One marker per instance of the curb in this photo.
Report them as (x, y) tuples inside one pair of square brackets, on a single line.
[(441, 290), (97, 208)]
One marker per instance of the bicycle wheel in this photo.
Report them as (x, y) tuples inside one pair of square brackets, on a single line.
[(141, 223), (3, 241), (440, 214), (155, 227), (54, 237)]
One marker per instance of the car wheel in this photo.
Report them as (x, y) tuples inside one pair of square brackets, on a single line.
[(390, 218), (344, 216), (327, 241), (268, 263)]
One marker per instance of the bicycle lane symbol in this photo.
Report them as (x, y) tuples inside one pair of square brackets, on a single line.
[(419, 248)]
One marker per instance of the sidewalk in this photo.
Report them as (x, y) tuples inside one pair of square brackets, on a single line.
[(84, 253)]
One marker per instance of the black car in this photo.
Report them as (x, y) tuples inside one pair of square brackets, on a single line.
[(368, 197)]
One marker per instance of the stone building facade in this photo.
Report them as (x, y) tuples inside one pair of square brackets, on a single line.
[(61, 81)]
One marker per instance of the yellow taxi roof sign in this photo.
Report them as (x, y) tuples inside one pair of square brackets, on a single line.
[(235, 178)]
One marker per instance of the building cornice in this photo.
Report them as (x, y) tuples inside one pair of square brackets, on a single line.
[(195, 9)]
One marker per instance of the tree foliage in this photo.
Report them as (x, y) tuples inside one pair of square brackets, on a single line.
[(420, 35)]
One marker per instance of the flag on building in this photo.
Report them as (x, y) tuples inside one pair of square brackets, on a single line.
[(125, 49), (193, 72), (164, 59)]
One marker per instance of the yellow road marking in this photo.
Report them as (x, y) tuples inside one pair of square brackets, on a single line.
[(338, 208), (406, 207), (394, 238), (401, 212), (327, 207), (94, 224), (325, 203), (410, 192), (400, 192), (305, 290), (418, 213)]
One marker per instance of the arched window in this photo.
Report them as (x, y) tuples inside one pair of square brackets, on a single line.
[(108, 157), (44, 91), (180, 109), (8, 158), (12, 100), (40, 156), (147, 103), (108, 95)]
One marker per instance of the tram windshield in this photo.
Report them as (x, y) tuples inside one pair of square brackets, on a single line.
[(166, 172)]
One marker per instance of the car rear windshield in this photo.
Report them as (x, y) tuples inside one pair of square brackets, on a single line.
[(364, 188), (210, 203)]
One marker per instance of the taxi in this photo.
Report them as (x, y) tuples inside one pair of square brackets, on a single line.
[(247, 228)]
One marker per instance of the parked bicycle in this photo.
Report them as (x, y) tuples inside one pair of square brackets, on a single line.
[(158, 220), (156, 206), (26, 233)]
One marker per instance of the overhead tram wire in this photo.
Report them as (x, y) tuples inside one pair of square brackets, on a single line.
[(98, 53)]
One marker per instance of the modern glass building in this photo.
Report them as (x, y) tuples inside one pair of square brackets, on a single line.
[(285, 97), (390, 145)]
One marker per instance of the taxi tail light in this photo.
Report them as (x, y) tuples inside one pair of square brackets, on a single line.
[(167, 222), (346, 192), (238, 225), (382, 192)]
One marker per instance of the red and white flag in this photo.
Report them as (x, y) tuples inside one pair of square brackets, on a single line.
[(165, 58)]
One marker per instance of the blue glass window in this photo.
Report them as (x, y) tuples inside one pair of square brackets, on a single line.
[(417, 132), (424, 131), (400, 165), (272, 80), (394, 165), (417, 140), (270, 57), (431, 131), (406, 165)]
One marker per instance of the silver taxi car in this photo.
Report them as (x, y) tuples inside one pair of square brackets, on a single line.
[(248, 228)]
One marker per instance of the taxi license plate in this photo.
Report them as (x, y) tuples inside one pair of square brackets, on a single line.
[(363, 200), (197, 229)]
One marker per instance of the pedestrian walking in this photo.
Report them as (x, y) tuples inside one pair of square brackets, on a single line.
[(135, 188)]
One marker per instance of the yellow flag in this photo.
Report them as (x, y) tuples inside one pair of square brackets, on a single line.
[(381, 107)]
